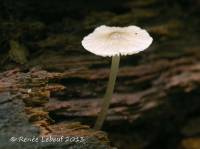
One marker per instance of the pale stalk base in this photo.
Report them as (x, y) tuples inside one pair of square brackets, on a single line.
[(109, 92)]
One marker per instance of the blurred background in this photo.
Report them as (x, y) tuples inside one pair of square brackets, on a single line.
[(157, 95)]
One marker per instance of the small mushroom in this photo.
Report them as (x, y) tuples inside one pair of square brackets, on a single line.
[(114, 42)]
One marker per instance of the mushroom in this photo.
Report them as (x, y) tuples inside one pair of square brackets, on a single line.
[(114, 42)]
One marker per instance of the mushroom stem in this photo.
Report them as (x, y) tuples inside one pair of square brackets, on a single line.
[(109, 92)]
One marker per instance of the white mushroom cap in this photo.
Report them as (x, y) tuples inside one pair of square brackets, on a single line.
[(110, 41)]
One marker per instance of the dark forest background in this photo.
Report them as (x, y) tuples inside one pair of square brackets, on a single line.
[(48, 81)]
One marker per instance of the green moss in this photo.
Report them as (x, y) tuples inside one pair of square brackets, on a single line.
[(53, 41), (18, 52)]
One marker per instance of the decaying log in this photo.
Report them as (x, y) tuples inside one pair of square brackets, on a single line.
[(22, 114), (51, 109), (51, 86)]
